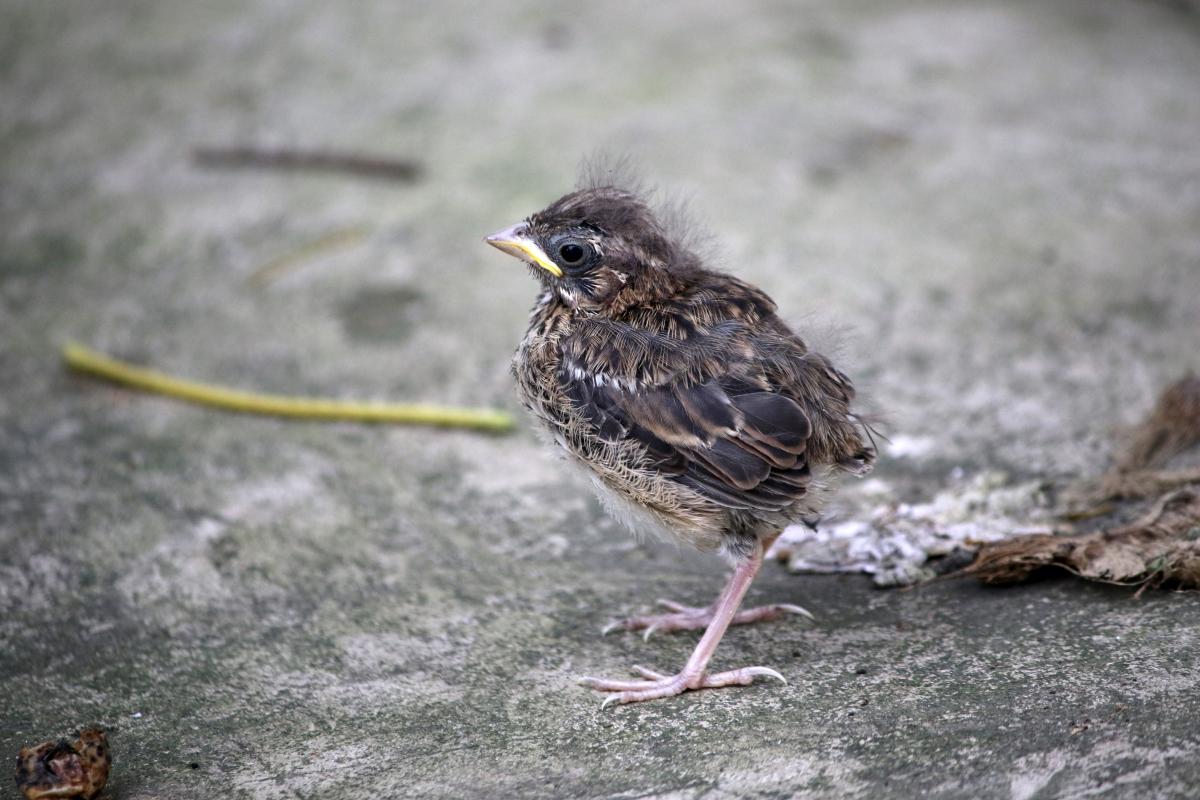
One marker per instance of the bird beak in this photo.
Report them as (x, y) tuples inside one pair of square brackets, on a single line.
[(515, 242)]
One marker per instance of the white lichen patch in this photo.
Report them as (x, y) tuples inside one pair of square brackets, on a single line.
[(893, 541), (906, 446)]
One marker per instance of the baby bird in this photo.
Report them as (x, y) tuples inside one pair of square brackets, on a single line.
[(695, 410)]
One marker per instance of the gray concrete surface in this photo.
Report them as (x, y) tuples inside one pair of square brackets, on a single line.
[(990, 209)]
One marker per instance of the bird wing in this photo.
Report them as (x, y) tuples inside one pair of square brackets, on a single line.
[(703, 406)]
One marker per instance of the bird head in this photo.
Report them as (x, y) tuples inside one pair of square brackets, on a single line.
[(593, 247)]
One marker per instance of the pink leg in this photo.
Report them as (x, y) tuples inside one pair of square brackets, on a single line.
[(694, 674)]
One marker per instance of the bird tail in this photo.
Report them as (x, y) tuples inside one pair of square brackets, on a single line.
[(861, 459)]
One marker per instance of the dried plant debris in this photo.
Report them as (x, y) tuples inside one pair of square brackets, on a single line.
[(65, 769), (1162, 548), (1140, 484), (281, 265), (1019, 528), (899, 543), (1171, 428), (402, 170)]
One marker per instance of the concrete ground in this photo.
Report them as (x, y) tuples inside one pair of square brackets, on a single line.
[(990, 210)]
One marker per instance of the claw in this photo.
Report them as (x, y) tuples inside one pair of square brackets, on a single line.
[(792, 609), (612, 699), (765, 672), (612, 626), (650, 629)]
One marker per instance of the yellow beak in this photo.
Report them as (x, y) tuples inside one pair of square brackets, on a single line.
[(515, 242)]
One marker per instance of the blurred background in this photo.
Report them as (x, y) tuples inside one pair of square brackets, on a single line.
[(989, 212), (960, 191)]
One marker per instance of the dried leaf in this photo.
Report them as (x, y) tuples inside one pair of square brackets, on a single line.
[(1173, 426), (1163, 546)]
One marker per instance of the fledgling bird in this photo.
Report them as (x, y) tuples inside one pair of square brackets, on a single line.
[(697, 412)]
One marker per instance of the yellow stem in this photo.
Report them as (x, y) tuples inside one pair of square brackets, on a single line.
[(82, 359)]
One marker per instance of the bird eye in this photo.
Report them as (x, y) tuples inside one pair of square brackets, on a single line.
[(571, 252)]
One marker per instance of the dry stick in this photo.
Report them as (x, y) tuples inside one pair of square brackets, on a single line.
[(279, 265), (396, 169), (1134, 485), (82, 359)]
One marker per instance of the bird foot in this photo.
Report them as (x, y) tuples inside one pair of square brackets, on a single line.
[(655, 684), (691, 618)]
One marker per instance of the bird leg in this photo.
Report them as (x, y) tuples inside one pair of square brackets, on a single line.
[(694, 674), (694, 618)]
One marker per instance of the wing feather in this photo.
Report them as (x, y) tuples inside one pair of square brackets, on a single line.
[(702, 406)]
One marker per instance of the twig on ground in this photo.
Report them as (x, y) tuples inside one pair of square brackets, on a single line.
[(84, 360), (394, 169), (280, 265)]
